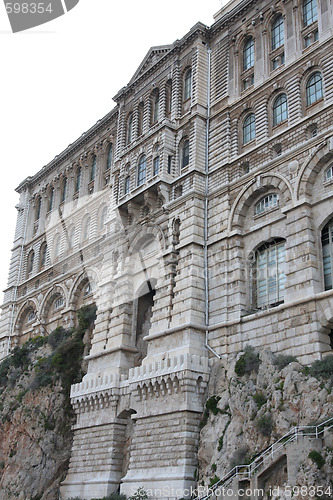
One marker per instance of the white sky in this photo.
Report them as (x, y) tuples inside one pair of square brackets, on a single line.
[(58, 79)]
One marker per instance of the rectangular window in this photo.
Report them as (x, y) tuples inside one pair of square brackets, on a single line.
[(169, 164), (270, 275), (156, 165)]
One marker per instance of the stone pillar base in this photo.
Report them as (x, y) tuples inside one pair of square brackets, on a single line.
[(79, 486), (159, 485)]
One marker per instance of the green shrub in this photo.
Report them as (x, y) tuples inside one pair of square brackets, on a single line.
[(213, 480), (322, 368), (58, 336), (317, 458), (248, 362), (259, 399), (264, 424), (214, 467), (211, 404), (282, 360), (220, 445)]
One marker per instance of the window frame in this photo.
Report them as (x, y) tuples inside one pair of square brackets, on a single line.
[(64, 185), (109, 157), (38, 208), (93, 168), (308, 86), (51, 199), (43, 255), (185, 154), (127, 184), (272, 202), (327, 255), (78, 179), (314, 12), (268, 281), (187, 85), (329, 178), (129, 128), (280, 109), (248, 54), (142, 170), (156, 165), (277, 40), (252, 130)]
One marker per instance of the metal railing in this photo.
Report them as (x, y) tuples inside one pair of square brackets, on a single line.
[(247, 471)]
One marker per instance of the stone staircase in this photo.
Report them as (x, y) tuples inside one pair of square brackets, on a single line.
[(266, 458)]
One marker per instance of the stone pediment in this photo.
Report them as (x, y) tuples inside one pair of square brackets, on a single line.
[(152, 57)]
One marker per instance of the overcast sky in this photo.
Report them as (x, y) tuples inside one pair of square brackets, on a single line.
[(58, 79)]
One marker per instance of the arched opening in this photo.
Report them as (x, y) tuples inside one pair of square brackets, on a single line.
[(143, 316)]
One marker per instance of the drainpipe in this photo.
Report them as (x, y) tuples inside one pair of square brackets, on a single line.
[(206, 277), (17, 281)]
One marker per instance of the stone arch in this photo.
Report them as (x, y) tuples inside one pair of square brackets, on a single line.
[(142, 316), (27, 306), (142, 236), (261, 183), (55, 292), (81, 281), (311, 168)]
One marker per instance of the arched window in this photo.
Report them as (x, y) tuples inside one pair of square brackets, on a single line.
[(43, 255), (38, 207), (129, 132), (327, 246), (277, 32), (186, 153), (51, 199), (248, 54), (127, 185), (269, 275), (93, 169), (314, 88), (155, 105), (280, 109), (188, 84), (249, 128), (78, 180), (156, 165), (109, 158), (30, 263), (86, 229), (266, 203), (310, 12), (64, 189), (142, 169)]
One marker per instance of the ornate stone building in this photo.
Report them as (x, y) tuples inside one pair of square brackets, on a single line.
[(198, 216)]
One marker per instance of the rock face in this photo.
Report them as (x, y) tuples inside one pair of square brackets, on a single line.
[(248, 412), (35, 412), (245, 413), (35, 437)]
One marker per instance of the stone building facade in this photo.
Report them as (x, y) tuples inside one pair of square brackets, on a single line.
[(198, 216)]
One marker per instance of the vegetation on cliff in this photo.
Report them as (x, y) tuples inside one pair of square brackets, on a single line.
[(35, 411), (256, 399)]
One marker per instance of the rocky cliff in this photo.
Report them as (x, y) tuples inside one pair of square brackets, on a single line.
[(254, 400), (35, 411)]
